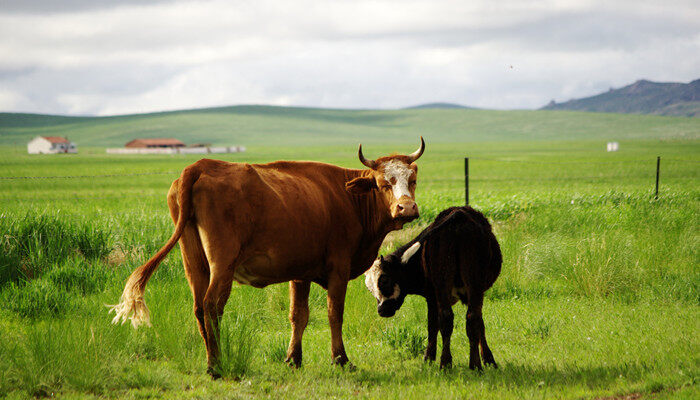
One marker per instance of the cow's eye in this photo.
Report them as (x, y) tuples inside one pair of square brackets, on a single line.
[(412, 183), (386, 187)]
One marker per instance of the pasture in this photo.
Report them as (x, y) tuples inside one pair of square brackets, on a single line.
[(599, 296)]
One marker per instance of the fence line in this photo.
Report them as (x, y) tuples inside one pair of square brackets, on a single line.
[(639, 161), (90, 176)]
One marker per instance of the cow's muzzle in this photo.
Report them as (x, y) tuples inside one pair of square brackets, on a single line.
[(405, 209)]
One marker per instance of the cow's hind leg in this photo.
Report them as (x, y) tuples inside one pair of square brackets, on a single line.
[(214, 302), (197, 271), (298, 317), (194, 261)]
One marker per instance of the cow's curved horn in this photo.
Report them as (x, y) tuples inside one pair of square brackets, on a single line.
[(368, 163), (416, 154)]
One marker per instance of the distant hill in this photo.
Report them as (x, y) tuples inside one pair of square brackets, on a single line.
[(264, 126), (438, 105), (641, 97)]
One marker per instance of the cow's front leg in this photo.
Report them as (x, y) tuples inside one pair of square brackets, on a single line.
[(298, 317), (433, 327), (337, 287)]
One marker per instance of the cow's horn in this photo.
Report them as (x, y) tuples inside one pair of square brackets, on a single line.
[(368, 163), (416, 154)]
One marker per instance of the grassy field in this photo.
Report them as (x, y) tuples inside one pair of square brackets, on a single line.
[(599, 295), (288, 126)]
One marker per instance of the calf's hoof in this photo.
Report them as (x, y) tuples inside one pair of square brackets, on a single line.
[(445, 363)]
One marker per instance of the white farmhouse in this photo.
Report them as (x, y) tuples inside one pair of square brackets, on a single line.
[(50, 145)]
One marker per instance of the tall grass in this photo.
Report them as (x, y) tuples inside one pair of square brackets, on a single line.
[(238, 341), (33, 244)]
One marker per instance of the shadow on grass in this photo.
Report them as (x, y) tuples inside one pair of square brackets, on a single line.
[(507, 375)]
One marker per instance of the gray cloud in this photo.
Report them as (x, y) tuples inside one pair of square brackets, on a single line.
[(97, 58), (65, 6)]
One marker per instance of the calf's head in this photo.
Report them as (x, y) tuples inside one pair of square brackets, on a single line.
[(394, 178), (386, 281)]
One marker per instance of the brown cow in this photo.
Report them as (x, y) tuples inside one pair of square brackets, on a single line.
[(260, 224)]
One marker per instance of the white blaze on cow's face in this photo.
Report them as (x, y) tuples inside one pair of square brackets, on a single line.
[(398, 174), (397, 181)]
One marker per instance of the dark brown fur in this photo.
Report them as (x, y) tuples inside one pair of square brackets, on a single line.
[(459, 254)]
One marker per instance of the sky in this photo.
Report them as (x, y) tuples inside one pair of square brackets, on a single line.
[(107, 57)]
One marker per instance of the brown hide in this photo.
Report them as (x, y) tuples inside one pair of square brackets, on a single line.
[(286, 221), (261, 224)]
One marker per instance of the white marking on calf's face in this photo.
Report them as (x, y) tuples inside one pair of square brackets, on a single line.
[(372, 282), (372, 279), (400, 172)]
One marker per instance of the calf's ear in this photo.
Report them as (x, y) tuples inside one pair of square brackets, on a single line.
[(410, 252), (360, 185)]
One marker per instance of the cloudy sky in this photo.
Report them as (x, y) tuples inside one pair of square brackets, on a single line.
[(103, 57)]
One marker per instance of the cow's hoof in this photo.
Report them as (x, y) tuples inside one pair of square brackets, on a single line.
[(213, 373), (343, 362), (429, 358), (293, 362), (476, 367)]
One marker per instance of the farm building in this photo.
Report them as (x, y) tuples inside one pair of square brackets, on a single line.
[(154, 143), (51, 145)]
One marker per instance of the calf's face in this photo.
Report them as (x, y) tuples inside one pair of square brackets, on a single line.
[(384, 281)]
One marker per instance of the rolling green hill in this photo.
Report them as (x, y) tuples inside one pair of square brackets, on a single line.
[(294, 126), (641, 97)]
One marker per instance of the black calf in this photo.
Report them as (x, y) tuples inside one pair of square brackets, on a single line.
[(457, 257)]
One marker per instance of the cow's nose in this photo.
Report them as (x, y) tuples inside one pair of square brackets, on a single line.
[(407, 209)]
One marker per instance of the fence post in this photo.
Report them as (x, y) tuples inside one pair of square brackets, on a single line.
[(658, 167), (466, 180)]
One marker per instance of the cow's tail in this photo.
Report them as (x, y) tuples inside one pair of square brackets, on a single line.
[(131, 304)]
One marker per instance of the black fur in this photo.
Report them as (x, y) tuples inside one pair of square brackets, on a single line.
[(458, 251)]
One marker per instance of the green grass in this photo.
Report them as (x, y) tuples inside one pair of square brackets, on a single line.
[(599, 294)]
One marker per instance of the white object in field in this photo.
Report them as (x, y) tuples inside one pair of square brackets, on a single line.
[(177, 150), (613, 146), (50, 145)]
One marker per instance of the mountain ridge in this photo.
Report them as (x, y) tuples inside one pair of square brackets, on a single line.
[(641, 97)]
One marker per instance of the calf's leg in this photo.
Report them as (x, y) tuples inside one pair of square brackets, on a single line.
[(298, 317), (446, 317), (475, 328), (433, 327)]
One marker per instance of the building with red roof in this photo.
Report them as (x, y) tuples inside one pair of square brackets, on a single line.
[(51, 145)]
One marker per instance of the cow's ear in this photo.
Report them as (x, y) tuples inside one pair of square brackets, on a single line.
[(410, 252), (360, 185)]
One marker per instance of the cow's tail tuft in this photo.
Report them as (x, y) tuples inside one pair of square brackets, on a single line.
[(131, 304)]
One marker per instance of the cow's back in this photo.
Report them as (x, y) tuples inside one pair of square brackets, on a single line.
[(281, 219)]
